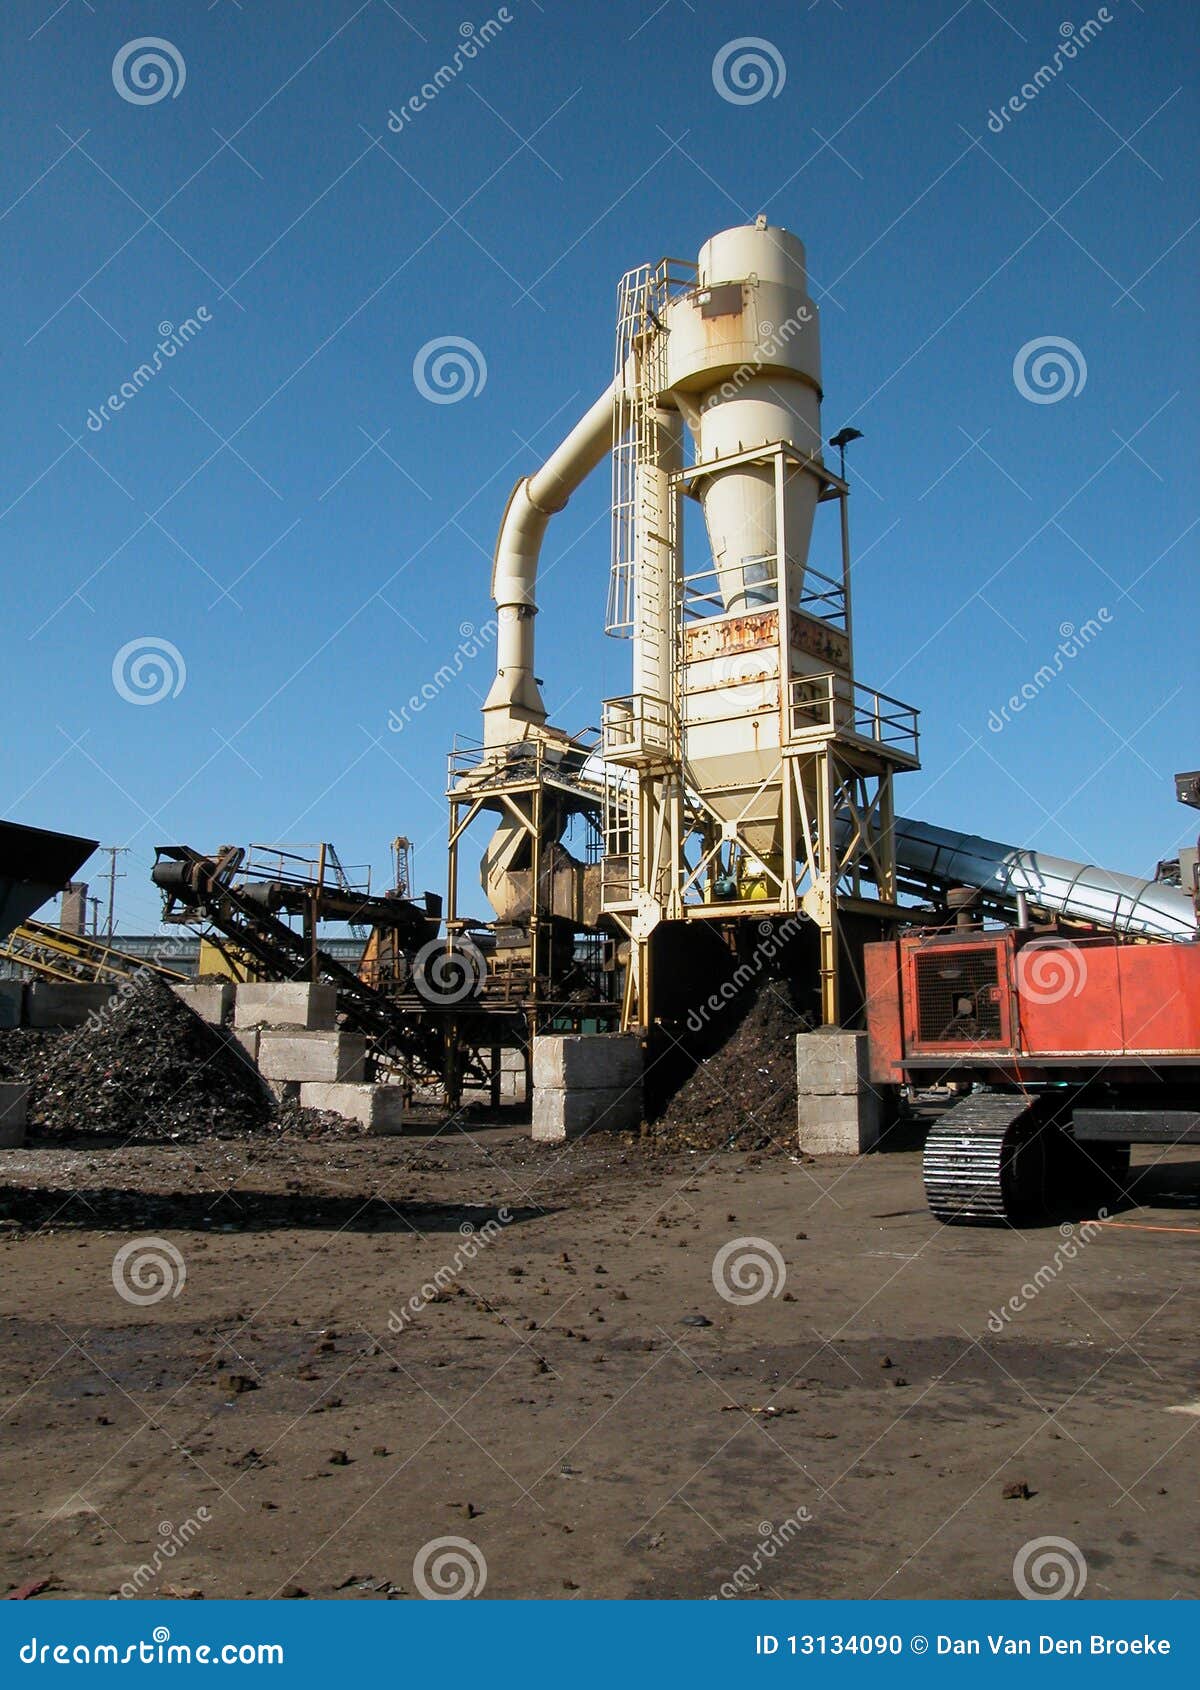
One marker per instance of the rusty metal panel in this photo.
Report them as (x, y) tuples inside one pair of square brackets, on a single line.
[(1110, 999), (885, 1032), (810, 634), (730, 634), (722, 301)]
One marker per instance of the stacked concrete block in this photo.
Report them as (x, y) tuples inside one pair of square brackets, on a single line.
[(289, 1030), (380, 1109), (247, 1039), (210, 999), (585, 1082), (12, 1003), (839, 1112), (308, 1005), (13, 1099), (513, 1080), (53, 1003), (284, 1054)]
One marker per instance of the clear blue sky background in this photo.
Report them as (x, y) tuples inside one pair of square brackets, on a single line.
[(312, 581)]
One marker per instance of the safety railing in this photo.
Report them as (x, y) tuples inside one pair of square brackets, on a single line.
[(711, 591), (636, 730), (819, 704), (575, 761)]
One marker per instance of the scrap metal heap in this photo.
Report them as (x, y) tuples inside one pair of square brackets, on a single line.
[(246, 901)]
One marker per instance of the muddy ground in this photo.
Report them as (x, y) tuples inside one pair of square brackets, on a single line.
[(578, 1401)]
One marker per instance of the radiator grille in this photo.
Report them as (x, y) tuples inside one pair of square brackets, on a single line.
[(958, 1000)]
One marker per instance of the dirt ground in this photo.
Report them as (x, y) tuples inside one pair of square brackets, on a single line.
[(577, 1400)]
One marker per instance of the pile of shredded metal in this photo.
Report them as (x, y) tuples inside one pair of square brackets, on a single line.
[(743, 1096), (145, 1068)]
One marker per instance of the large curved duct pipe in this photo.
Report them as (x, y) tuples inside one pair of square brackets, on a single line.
[(1120, 903), (515, 700)]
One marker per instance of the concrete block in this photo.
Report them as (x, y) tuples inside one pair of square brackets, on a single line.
[(380, 1109), (831, 1064), (12, 1003), (561, 1113), (511, 1077), (13, 1099), (587, 1060), (839, 1124), (64, 1003), (247, 1038), (287, 1003), (311, 1056), (210, 999)]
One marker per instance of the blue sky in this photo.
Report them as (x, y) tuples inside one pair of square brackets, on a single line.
[(309, 532)]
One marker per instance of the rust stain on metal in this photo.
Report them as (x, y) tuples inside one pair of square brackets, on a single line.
[(731, 634), (818, 639)]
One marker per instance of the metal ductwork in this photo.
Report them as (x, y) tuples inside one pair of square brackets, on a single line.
[(514, 703), (1119, 903)]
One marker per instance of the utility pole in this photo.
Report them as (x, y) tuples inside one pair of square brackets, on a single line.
[(113, 851), (95, 903)]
